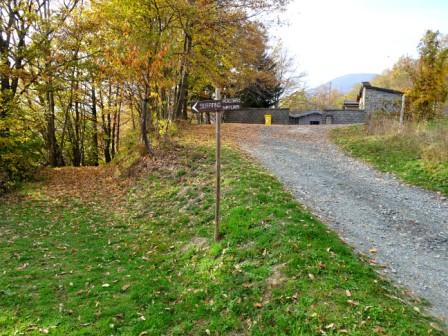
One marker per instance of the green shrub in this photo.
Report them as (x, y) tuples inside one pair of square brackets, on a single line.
[(416, 152), (19, 157)]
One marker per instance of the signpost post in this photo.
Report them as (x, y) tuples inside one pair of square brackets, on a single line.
[(217, 106), (218, 168)]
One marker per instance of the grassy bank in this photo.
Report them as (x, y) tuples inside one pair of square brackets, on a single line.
[(141, 262), (418, 154)]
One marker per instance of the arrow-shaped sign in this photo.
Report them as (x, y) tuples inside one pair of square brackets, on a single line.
[(216, 105), (207, 106), (194, 107)]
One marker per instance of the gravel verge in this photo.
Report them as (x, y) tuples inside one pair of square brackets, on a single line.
[(399, 226)]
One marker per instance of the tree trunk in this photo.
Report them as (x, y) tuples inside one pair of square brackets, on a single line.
[(76, 148), (117, 142), (183, 83), (54, 153), (112, 135), (107, 126), (185, 107), (114, 121), (106, 131), (144, 126), (134, 127), (94, 128), (106, 136)]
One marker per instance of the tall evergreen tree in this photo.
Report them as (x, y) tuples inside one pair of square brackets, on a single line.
[(265, 89)]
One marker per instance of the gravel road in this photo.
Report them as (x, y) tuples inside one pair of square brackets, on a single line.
[(402, 227)]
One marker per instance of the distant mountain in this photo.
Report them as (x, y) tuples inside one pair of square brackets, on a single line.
[(345, 83)]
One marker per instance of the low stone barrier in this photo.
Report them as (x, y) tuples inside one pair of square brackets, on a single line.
[(344, 117), (256, 116)]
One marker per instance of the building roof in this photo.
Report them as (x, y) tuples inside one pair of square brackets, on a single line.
[(304, 114), (350, 102), (376, 88)]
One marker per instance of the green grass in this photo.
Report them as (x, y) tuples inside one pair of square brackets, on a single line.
[(72, 267), (403, 155)]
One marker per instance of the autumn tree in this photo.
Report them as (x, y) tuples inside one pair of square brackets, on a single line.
[(320, 98), (18, 151), (222, 44), (75, 74), (399, 77), (429, 89)]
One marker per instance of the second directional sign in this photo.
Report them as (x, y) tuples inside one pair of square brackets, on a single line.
[(216, 105), (231, 104), (207, 106)]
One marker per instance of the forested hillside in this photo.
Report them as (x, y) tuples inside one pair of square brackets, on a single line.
[(76, 75)]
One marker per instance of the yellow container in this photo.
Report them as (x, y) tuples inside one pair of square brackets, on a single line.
[(268, 119)]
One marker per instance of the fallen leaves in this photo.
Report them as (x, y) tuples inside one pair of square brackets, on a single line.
[(119, 317), (379, 330), (435, 326), (329, 326), (91, 184), (23, 267), (277, 277), (353, 303)]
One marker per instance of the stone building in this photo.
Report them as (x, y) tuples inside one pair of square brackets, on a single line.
[(306, 118), (375, 99)]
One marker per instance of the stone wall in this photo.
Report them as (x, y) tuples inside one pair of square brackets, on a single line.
[(379, 101), (282, 117), (256, 116), (344, 117)]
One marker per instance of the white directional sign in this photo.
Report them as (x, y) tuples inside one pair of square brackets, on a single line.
[(207, 106), (227, 104)]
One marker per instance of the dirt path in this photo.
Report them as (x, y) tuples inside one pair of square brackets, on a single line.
[(399, 226)]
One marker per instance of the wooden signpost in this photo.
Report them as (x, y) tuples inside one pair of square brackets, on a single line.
[(217, 106)]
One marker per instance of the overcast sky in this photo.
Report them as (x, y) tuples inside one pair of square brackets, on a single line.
[(330, 38)]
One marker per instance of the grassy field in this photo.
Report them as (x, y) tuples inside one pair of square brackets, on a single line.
[(418, 155), (136, 258)]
